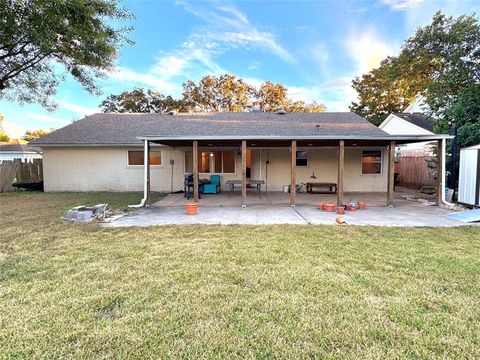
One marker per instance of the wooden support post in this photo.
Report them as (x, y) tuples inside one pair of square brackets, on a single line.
[(391, 173), (341, 166), (244, 173), (440, 169), (195, 172), (147, 164), (293, 173)]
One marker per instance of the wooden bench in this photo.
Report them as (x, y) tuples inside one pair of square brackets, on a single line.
[(321, 188)]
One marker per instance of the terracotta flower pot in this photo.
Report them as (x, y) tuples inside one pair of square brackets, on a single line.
[(340, 210), (321, 206), (353, 208), (361, 205), (192, 208), (330, 207)]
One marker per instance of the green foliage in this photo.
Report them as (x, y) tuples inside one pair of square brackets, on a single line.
[(4, 137), (272, 96), (446, 52), (223, 93), (37, 36), (35, 134), (440, 61), (385, 90), (217, 93), (139, 101)]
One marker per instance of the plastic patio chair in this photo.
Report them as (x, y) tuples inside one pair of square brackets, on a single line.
[(214, 186)]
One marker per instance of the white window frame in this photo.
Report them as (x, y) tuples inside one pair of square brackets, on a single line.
[(308, 159), (141, 166), (381, 162), (210, 150)]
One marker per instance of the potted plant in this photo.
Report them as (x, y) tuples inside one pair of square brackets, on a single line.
[(191, 208)]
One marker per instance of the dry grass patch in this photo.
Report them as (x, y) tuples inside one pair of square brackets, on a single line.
[(231, 291)]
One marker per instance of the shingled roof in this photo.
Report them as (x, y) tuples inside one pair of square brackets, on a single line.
[(123, 129), (418, 119)]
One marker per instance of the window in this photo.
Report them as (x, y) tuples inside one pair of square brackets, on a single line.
[(302, 158), (371, 162), (221, 162), (136, 157)]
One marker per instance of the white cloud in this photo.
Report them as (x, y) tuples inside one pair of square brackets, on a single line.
[(336, 94), (158, 83), (13, 130), (47, 118), (367, 50), (402, 4), (80, 110), (226, 27), (320, 53)]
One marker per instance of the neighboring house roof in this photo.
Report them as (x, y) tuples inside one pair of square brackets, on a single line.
[(123, 129), (16, 147), (418, 105), (473, 147), (418, 119)]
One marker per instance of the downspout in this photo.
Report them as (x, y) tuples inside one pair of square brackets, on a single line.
[(444, 156), (145, 177)]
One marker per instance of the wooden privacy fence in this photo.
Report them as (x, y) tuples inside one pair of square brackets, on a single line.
[(19, 171), (414, 172)]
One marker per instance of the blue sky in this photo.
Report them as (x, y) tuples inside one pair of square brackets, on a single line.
[(315, 48)]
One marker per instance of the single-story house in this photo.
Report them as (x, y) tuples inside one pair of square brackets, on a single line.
[(17, 150), (106, 152), (410, 124)]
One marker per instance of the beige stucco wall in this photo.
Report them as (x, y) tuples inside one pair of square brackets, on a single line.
[(323, 162), (106, 169)]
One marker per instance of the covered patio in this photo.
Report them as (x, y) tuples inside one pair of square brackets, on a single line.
[(245, 196)]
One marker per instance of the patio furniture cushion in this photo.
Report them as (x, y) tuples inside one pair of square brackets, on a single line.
[(214, 186)]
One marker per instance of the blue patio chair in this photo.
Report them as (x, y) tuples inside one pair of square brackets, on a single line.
[(214, 186)]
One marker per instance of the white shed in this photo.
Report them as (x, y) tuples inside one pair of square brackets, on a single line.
[(469, 181)]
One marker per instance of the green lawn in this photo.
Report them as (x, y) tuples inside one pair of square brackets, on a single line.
[(80, 291)]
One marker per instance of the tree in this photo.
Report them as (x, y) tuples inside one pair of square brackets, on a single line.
[(4, 137), (223, 93), (302, 106), (466, 114), (217, 93), (385, 90), (37, 36), (272, 96), (440, 61), (139, 101), (35, 134)]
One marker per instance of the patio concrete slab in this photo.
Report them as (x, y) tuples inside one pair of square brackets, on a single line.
[(170, 211), (404, 214), (174, 215)]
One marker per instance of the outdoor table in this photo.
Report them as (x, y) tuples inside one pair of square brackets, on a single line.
[(332, 187), (256, 183)]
